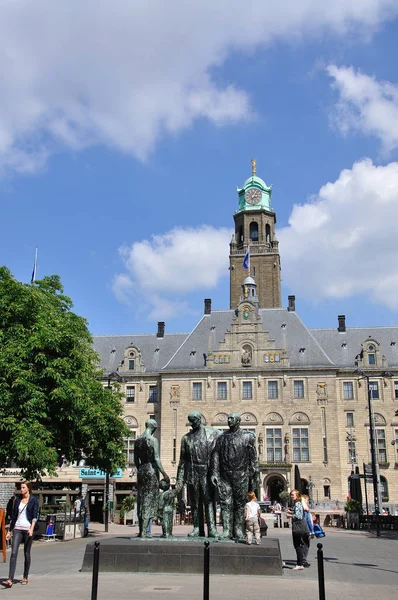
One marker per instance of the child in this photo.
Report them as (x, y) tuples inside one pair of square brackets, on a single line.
[(166, 508)]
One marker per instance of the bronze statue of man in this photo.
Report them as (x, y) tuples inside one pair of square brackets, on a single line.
[(193, 470), (147, 461), (234, 472)]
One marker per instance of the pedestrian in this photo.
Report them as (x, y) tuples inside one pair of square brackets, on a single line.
[(252, 516), (22, 526), (300, 532), (310, 525), (277, 510)]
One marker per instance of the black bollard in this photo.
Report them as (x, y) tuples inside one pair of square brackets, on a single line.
[(94, 585), (206, 571), (321, 573)]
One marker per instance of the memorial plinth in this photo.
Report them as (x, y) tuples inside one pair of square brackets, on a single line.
[(125, 554)]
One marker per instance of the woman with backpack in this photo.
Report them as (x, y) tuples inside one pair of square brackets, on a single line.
[(300, 530)]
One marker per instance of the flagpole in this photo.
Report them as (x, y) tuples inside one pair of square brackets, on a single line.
[(33, 279)]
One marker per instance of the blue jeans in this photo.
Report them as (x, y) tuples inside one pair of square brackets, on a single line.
[(19, 536)]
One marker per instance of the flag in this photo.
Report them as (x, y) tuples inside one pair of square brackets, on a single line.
[(246, 260), (34, 268)]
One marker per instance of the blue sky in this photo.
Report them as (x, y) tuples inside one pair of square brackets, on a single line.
[(125, 129)]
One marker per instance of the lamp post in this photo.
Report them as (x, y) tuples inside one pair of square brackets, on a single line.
[(373, 449), (311, 486)]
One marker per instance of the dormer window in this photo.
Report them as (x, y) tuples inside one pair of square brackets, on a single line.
[(132, 360), (371, 353)]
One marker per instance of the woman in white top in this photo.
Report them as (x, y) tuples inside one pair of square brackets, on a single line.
[(252, 515), (22, 526)]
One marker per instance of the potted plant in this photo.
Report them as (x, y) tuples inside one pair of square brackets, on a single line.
[(353, 509), (121, 516)]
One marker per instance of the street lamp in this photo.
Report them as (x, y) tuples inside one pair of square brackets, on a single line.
[(311, 486), (373, 452)]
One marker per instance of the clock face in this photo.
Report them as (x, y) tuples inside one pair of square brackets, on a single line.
[(253, 196)]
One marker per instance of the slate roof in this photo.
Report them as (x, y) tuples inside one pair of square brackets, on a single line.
[(306, 348), (155, 352), (342, 348), (293, 336)]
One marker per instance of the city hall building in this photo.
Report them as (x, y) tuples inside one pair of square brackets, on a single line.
[(295, 387)]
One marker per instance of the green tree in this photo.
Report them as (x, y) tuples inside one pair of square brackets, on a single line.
[(52, 404)]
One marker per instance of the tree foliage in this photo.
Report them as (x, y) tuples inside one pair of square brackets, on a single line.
[(52, 404)]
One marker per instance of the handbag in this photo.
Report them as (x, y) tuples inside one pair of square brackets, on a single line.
[(300, 526)]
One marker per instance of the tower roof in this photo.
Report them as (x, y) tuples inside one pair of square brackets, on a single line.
[(249, 281), (254, 180), (254, 194)]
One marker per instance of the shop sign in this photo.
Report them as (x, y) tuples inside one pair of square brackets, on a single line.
[(87, 473), (10, 472)]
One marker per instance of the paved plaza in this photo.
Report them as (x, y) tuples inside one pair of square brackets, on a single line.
[(357, 565)]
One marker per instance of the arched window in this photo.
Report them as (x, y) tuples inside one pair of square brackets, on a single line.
[(384, 489), (254, 231), (267, 233), (240, 234)]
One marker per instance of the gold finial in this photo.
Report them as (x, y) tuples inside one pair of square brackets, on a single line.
[(253, 166)]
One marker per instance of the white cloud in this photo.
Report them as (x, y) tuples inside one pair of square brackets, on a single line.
[(366, 105), (127, 73), (343, 242), (123, 287), (167, 268)]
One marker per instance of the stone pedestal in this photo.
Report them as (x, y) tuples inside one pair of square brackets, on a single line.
[(123, 554)]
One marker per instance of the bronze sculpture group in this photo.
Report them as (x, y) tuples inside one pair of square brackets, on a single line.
[(213, 464)]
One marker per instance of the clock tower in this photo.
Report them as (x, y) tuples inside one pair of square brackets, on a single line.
[(255, 230)]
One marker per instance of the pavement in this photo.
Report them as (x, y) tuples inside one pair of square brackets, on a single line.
[(356, 565)]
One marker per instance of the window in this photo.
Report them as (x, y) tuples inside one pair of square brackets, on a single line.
[(129, 450), (325, 450), (381, 447), (254, 232), (130, 393), (247, 389), (274, 445), (352, 453), (396, 389), (350, 419), (374, 389), (348, 390), (272, 389), (131, 364), (222, 390), (326, 491), (372, 358), (299, 389), (197, 390), (153, 393), (301, 451), (384, 489), (396, 445)]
